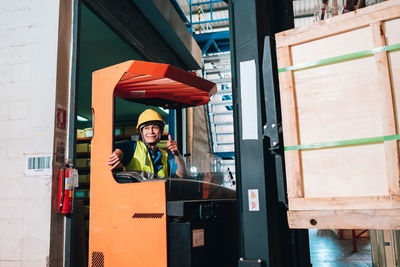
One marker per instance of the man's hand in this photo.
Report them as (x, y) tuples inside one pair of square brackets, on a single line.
[(181, 170), (171, 145), (115, 159)]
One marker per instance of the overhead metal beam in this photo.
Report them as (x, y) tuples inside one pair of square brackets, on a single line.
[(224, 92), (218, 81), (217, 58), (216, 71), (208, 10), (204, 37), (218, 40), (129, 22), (164, 17), (210, 21), (207, 2), (225, 155)]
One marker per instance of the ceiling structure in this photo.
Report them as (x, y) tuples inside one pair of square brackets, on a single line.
[(100, 47), (150, 28), (108, 37), (303, 12), (208, 21), (204, 15), (114, 32)]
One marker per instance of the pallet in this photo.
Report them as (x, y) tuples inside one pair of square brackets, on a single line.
[(340, 119)]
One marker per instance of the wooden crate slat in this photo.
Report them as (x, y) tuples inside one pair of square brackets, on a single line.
[(345, 203), (354, 20), (388, 118), (345, 219), (393, 37), (289, 111)]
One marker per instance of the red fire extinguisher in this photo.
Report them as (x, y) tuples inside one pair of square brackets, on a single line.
[(65, 190)]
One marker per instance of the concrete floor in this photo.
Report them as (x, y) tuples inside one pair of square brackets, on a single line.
[(327, 250)]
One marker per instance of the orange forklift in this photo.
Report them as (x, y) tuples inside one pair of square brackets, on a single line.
[(159, 222)]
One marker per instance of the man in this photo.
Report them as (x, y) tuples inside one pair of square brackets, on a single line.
[(144, 156)]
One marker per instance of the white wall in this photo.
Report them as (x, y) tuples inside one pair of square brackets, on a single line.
[(28, 56)]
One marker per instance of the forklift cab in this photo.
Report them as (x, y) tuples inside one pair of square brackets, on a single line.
[(157, 222)]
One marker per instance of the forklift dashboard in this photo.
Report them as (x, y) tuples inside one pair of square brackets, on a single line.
[(181, 188)]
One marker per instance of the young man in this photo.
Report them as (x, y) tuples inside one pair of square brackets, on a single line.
[(144, 156)]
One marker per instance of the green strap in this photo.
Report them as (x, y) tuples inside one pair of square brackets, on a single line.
[(341, 58), (359, 141)]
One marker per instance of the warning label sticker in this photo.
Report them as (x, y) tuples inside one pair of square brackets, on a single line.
[(198, 237), (61, 119), (254, 204)]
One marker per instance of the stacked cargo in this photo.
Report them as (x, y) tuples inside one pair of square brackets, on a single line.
[(340, 89)]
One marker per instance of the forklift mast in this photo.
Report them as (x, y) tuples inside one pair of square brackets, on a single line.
[(266, 239)]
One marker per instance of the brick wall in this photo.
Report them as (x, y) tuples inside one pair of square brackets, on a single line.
[(28, 57)]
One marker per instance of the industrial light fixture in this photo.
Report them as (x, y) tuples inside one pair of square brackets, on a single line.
[(80, 118)]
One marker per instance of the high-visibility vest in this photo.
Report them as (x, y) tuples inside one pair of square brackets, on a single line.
[(139, 162)]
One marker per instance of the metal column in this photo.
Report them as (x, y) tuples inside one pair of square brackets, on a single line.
[(266, 239)]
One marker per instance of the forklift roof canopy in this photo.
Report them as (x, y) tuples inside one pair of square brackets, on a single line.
[(163, 85)]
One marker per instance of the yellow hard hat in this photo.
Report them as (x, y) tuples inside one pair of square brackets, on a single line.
[(149, 116)]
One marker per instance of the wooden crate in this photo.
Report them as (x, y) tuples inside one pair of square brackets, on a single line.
[(336, 91)]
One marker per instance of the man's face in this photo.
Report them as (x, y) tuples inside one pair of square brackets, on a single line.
[(151, 133)]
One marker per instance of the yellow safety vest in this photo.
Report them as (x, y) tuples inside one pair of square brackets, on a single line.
[(138, 161)]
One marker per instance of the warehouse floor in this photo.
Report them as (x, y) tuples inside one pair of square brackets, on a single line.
[(329, 251)]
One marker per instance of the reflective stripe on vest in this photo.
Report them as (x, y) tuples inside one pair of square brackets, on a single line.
[(138, 161)]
